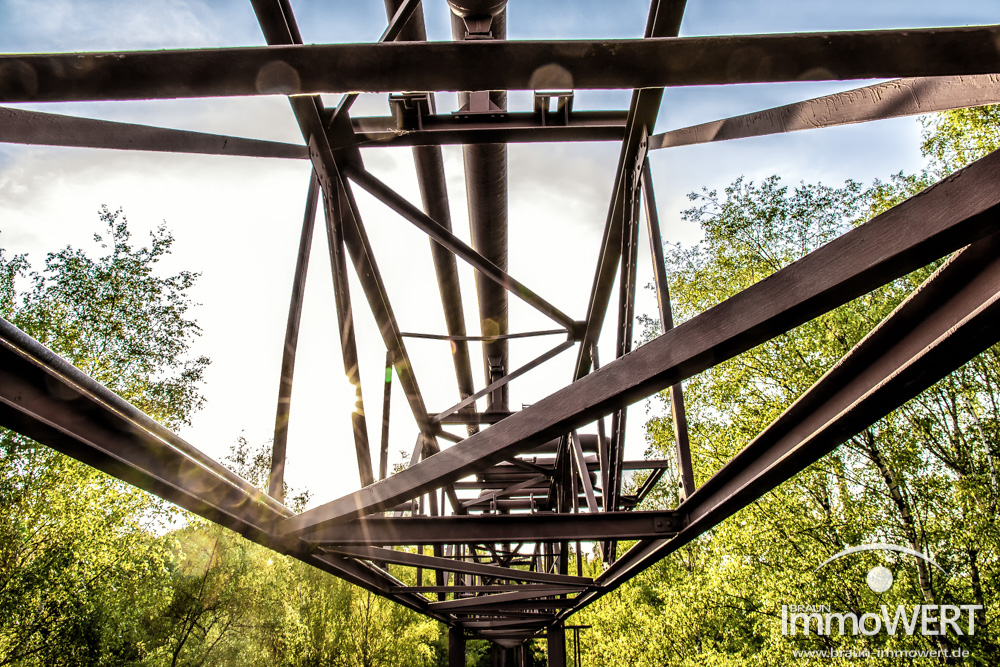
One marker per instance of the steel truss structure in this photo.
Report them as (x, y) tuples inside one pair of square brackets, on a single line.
[(498, 564)]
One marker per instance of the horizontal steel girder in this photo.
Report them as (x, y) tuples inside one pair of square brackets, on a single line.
[(21, 126), (512, 128), (945, 217), (952, 317), (479, 602), (47, 399), (497, 65), (454, 565), (540, 527), (892, 99)]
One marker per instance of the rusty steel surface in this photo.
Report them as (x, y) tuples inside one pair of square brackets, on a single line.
[(504, 508)]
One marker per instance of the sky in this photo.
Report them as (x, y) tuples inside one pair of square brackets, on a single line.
[(237, 220)]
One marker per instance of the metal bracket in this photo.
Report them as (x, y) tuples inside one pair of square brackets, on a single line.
[(410, 109), (480, 107), (564, 106), (479, 27)]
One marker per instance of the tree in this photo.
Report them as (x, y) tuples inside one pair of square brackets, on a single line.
[(923, 477), (81, 573)]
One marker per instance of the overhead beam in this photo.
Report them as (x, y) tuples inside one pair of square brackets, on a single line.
[(943, 218), (951, 318), (454, 565), (441, 129), (496, 65), (892, 99), (492, 588), (21, 126), (492, 599)]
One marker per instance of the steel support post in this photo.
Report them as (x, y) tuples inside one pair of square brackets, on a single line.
[(456, 647), (383, 455), (337, 210), (276, 486), (486, 187), (685, 472), (555, 637)]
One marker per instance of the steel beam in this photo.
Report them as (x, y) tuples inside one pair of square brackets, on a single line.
[(21, 126), (50, 401), (277, 476), (682, 445), (483, 265), (523, 127), (429, 164), (496, 65), (491, 588), (583, 473), (453, 565), (502, 381), (664, 20), (492, 528), (951, 318), (943, 218), (478, 602), (892, 99), (525, 485), (337, 211), (383, 455), (626, 317)]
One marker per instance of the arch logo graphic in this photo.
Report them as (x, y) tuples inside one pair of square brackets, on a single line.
[(925, 619)]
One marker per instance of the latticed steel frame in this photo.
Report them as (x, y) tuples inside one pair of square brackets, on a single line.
[(499, 562)]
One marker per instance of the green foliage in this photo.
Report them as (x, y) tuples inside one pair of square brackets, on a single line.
[(923, 477), (953, 139), (81, 568), (89, 572)]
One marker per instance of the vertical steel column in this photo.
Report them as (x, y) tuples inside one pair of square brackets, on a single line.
[(626, 316), (276, 481), (335, 206), (486, 186), (603, 456), (556, 640), (434, 196), (383, 456), (684, 470), (456, 647)]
